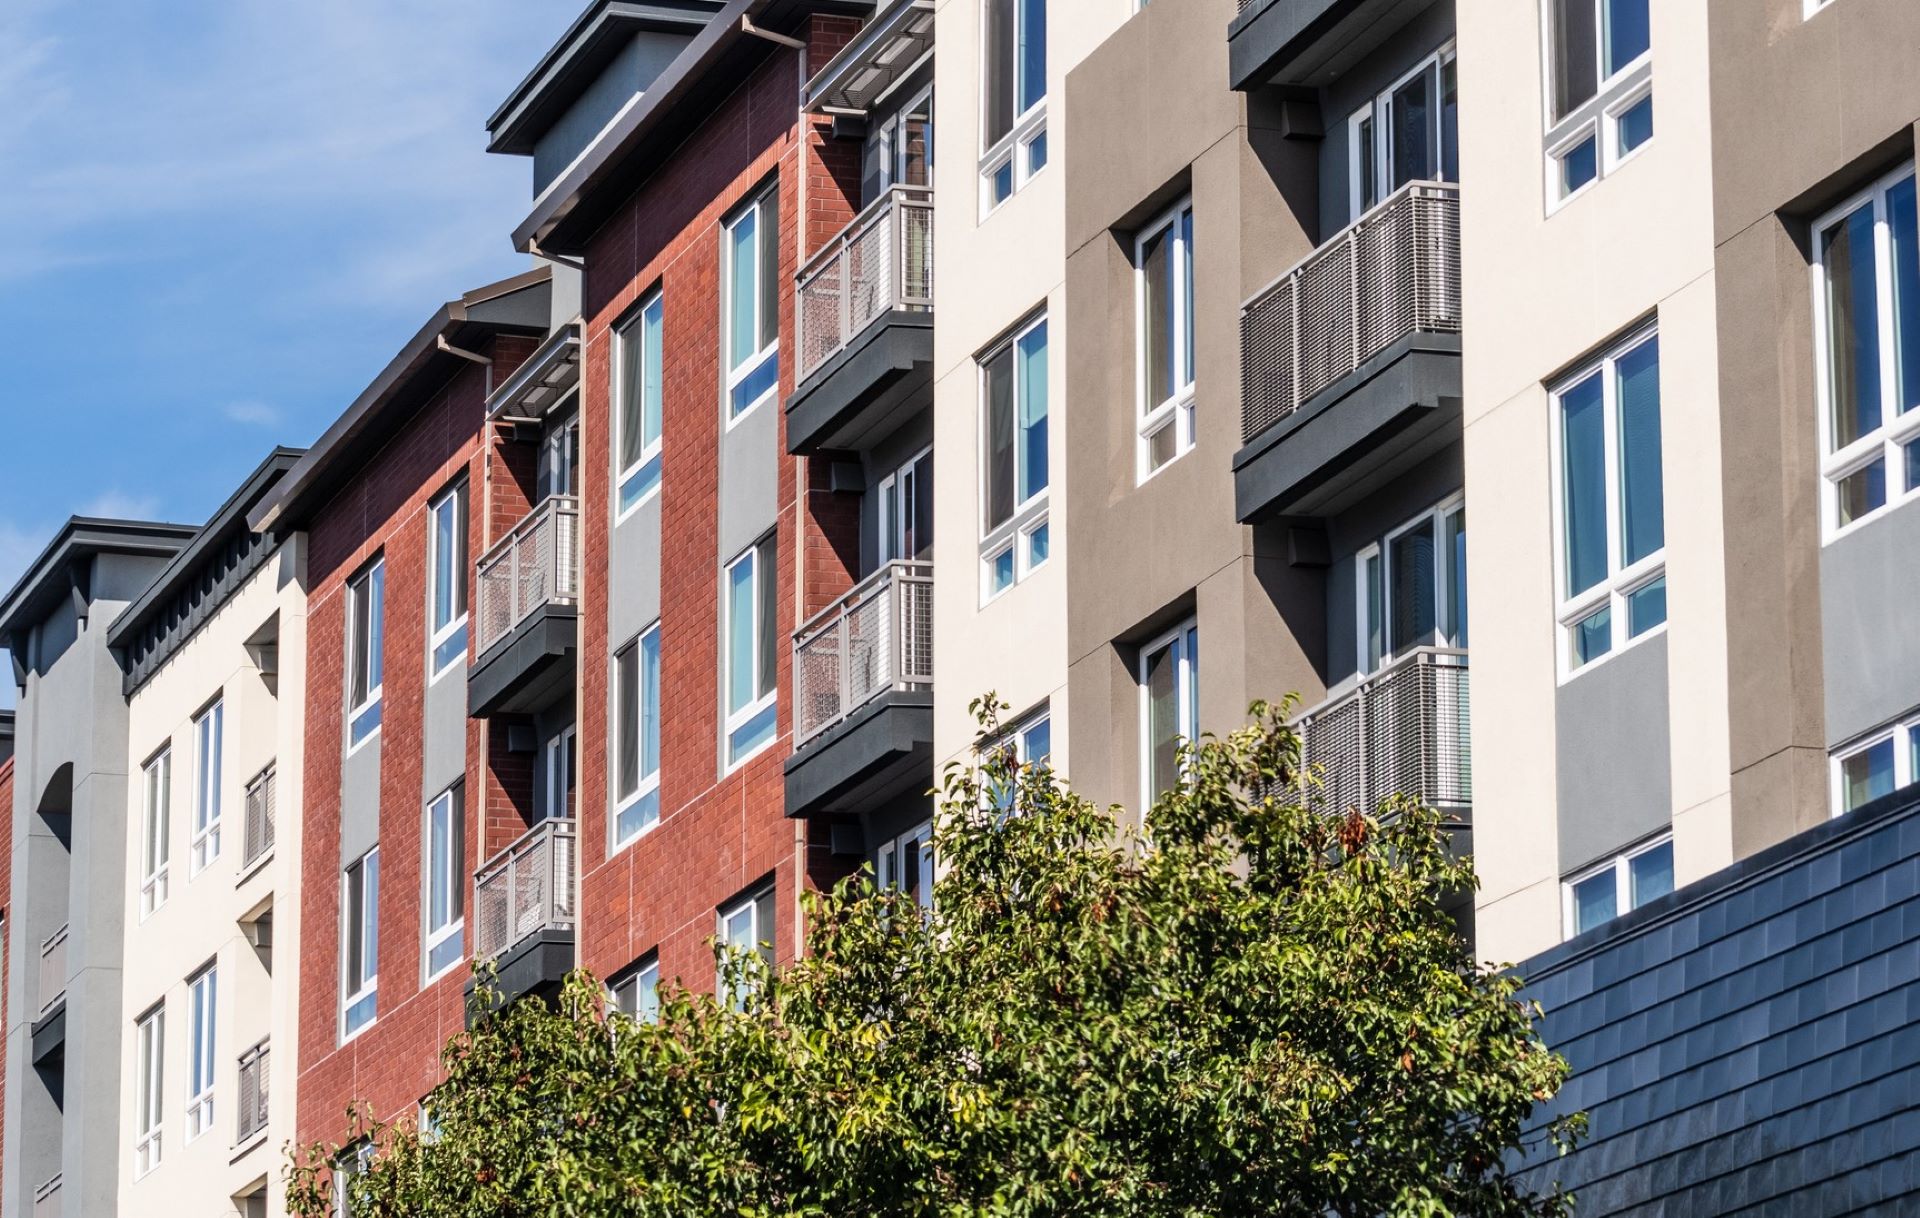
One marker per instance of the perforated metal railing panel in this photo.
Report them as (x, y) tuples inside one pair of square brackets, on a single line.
[(878, 637), (1403, 731), (882, 260), (525, 888), (536, 564)]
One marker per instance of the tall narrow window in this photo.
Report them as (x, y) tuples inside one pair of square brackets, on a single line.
[(1014, 137), (558, 773), (208, 739), (1612, 527), (1015, 534), (1876, 766), (1601, 89), (906, 864), (636, 721), (906, 510), (366, 627), (447, 578), (1163, 301), (156, 827), (1169, 706), (1409, 133), (201, 1043), (637, 995), (1032, 743), (751, 253), (150, 1041), (752, 637), (360, 942), (641, 391), (1868, 347), (446, 882), (1413, 587), (747, 927), (1623, 883)]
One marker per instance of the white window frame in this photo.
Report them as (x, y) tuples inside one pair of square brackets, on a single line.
[(156, 830), (1598, 115), (1621, 866), (1621, 582), (1613, 150), (203, 1062), (454, 630), (735, 376), (1014, 536), (356, 991), (454, 929), (886, 141), (640, 480), (886, 861), (209, 780), (1019, 738), (1896, 430), (763, 703), (647, 783), (1379, 109), (1903, 734), (363, 718), (560, 757), (642, 980), (1177, 410), (750, 905), (149, 1111), (1014, 151), (1437, 516), (894, 510), (1184, 639)]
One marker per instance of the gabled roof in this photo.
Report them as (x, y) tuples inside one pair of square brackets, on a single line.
[(50, 577)]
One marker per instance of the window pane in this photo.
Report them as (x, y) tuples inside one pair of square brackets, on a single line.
[(1031, 352), (1579, 165), (1369, 187), (652, 330), (1583, 436), (360, 626), (1913, 465), (742, 292), (1905, 246), (633, 372), (439, 864), (1163, 720), (767, 222), (1411, 583), (1001, 183), (1412, 130), (626, 687), (766, 571), (1650, 874), (1038, 543), (443, 542), (999, 69), (1595, 900), (1593, 636), (1033, 53), (649, 741), (1853, 334), (1036, 742), (1454, 538), (1864, 490), (1185, 225), (1867, 775), (1646, 607), (356, 926), (740, 648), (1156, 270), (1450, 121), (376, 629), (1575, 58), (1376, 612), (1636, 124), (1001, 571), (1627, 36), (1037, 153), (371, 911), (1000, 455), (1642, 502)]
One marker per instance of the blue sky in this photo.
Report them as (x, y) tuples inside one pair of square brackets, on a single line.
[(222, 218)]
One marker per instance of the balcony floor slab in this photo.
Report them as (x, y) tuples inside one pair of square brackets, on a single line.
[(49, 1035), (881, 751), (529, 668), (865, 390), (536, 965)]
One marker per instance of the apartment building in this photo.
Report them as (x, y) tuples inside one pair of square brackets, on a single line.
[(67, 934), (214, 656)]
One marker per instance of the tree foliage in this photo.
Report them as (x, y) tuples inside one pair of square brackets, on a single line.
[(1256, 1006)]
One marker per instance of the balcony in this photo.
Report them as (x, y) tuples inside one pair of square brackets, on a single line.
[(524, 907), (1405, 730), (46, 1199), (256, 830), (526, 613), (1308, 42), (49, 1031), (1350, 362), (865, 325), (863, 695), (253, 1094)]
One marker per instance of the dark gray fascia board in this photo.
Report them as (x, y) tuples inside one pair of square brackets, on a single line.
[(529, 668), (573, 63), (46, 581), (519, 305), (534, 967), (866, 389), (1308, 42), (872, 757)]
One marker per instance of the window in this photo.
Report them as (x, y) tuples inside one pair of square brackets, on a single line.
[(348, 1166), (640, 390), (1867, 351), (201, 1007), (1612, 519), (747, 927), (1014, 93), (906, 510), (906, 864), (1169, 706), (751, 286), (156, 824), (636, 725), (637, 995), (1879, 765), (360, 934), (1600, 103), (446, 882), (1409, 133), (1413, 587), (903, 146), (1032, 743), (752, 637), (208, 733), (558, 774), (366, 625), (1616, 886), (150, 1042), (1015, 534), (447, 578), (1163, 303), (559, 472)]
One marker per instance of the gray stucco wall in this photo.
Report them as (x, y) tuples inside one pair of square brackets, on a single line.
[(443, 759), (638, 63), (1615, 773), (749, 475), (360, 800), (1869, 589)]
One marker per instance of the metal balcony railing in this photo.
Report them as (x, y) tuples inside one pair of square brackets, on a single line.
[(876, 638), (1393, 272), (256, 831), (46, 1199), (253, 1093), (53, 970), (527, 887), (880, 262), (536, 564), (1402, 731)]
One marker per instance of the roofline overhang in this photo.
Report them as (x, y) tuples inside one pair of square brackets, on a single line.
[(828, 91), (82, 537)]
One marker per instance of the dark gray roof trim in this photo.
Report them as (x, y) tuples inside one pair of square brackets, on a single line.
[(520, 305), (59, 570), (544, 381), (886, 52)]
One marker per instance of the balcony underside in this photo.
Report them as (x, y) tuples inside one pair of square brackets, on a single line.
[(528, 669), (536, 966), (866, 389), (50, 1036), (1395, 410), (1309, 42), (883, 750)]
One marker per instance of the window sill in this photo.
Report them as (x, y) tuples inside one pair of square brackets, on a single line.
[(254, 868), (254, 1142), (1572, 675)]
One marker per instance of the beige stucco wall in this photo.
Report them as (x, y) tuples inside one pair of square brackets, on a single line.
[(202, 918)]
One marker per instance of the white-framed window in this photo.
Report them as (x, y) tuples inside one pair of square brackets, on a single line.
[(1013, 95), (1410, 132), (366, 630), (559, 772), (640, 388), (1015, 535), (360, 943), (559, 459), (637, 995), (752, 637), (1876, 765), (747, 926), (1031, 740), (202, 1044), (1625, 882), (906, 863), (349, 1165), (906, 509), (1866, 280), (209, 735), (150, 1049), (903, 144), (1169, 707), (1599, 102), (1609, 503), (446, 895), (750, 290), (156, 828), (1412, 586), (1163, 309), (447, 579), (636, 736)]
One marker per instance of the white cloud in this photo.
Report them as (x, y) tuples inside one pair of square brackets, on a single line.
[(252, 414), (117, 504)]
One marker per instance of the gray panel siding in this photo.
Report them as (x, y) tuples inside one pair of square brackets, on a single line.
[(638, 63), (1615, 777), (635, 602), (1869, 586), (360, 800), (444, 733), (749, 476)]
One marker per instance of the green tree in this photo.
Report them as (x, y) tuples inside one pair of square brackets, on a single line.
[(1257, 1006)]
